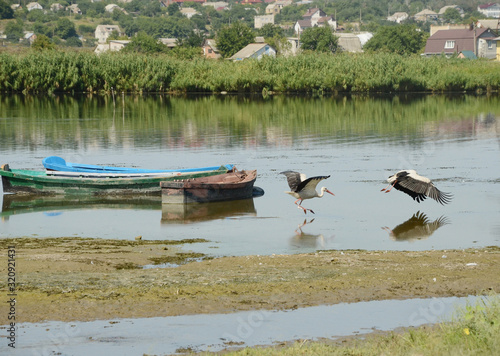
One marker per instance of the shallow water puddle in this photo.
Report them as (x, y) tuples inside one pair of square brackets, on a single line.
[(214, 332)]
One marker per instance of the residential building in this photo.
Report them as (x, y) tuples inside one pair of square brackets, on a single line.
[(113, 45), (218, 5), (398, 17), (426, 15), (498, 48), (30, 37), (254, 50), (436, 28), (34, 6), (189, 12), (260, 21), (314, 17), (74, 9), (490, 10), (494, 24), (480, 41), (169, 42), (349, 42), (102, 32), (56, 7), (210, 49), (456, 7), (277, 6)]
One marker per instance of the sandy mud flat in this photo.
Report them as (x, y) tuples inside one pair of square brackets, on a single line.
[(85, 279)]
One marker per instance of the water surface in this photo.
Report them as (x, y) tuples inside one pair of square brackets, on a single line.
[(358, 141)]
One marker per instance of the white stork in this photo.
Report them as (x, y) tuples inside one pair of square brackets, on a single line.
[(416, 186), (304, 188)]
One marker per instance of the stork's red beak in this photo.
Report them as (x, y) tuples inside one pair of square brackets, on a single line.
[(326, 190)]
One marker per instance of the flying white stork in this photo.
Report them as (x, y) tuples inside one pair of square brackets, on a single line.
[(416, 186), (304, 188)]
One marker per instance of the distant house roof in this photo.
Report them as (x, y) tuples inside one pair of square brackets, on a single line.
[(494, 24), (252, 50), (169, 42), (349, 42)]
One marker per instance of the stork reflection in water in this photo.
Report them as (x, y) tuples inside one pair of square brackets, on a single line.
[(418, 227), (304, 239)]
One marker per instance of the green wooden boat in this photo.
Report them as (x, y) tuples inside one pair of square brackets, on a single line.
[(20, 181)]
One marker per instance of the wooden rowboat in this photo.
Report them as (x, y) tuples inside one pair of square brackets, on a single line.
[(20, 181), (230, 186), (57, 166)]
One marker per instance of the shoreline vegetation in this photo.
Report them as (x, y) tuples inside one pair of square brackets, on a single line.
[(79, 72)]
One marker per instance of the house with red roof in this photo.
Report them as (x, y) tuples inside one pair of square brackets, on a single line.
[(490, 10), (481, 41)]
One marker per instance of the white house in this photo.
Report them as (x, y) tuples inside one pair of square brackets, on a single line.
[(426, 15), (260, 21), (398, 17), (34, 6), (189, 12), (254, 50), (490, 10), (102, 32)]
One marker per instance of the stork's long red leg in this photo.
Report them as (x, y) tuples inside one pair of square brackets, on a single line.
[(393, 184)]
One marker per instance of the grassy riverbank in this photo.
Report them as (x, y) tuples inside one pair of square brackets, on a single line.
[(48, 72), (475, 330)]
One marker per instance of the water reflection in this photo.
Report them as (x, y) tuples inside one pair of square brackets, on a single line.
[(197, 212), (418, 227), (14, 204), (307, 240)]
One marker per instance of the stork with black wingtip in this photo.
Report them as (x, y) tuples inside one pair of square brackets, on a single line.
[(304, 188), (416, 186)]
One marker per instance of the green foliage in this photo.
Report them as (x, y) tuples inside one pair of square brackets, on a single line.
[(231, 39), (42, 43), (270, 30), (5, 11), (320, 39), (452, 15), (14, 31), (144, 43), (73, 42), (403, 39), (54, 71), (65, 28)]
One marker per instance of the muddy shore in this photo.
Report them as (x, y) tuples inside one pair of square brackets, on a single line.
[(70, 279)]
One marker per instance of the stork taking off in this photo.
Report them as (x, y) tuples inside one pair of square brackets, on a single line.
[(304, 188), (416, 186)]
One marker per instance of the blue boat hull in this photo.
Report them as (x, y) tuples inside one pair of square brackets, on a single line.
[(55, 163)]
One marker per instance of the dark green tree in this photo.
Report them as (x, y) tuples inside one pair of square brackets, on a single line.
[(320, 39), (403, 39), (65, 28), (270, 30), (5, 11), (230, 39), (452, 15), (73, 42), (144, 43)]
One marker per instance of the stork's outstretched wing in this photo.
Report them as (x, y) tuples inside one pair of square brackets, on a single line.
[(310, 183), (294, 179), (419, 190)]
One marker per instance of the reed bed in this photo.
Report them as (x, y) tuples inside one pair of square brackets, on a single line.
[(67, 72)]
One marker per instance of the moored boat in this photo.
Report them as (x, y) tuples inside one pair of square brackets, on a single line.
[(229, 186), (22, 181), (55, 165)]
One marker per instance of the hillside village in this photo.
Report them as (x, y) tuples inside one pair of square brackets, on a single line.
[(100, 26)]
